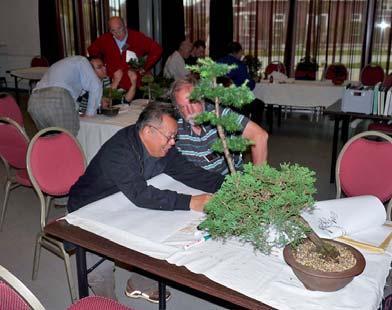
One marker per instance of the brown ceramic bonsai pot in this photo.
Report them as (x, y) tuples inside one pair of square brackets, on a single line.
[(316, 280)]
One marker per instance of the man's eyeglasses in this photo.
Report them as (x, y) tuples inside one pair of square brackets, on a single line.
[(117, 31), (168, 138)]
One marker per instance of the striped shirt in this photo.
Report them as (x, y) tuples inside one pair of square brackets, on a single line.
[(197, 149)]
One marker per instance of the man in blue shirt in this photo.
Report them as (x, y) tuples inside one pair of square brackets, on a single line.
[(53, 101)]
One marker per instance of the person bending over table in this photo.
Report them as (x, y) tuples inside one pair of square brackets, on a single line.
[(100, 69), (53, 101), (134, 155), (195, 141), (112, 47)]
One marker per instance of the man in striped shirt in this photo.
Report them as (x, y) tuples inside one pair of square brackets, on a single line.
[(195, 141)]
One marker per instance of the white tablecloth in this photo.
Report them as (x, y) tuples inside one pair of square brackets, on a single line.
[(95, 131), (299, 93), (268, 279)]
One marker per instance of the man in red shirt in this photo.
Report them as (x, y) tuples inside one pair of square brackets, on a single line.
[(112, 47)]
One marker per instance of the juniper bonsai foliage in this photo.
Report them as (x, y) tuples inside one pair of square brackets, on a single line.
[(261, 205), (155, 87), (232, 96)]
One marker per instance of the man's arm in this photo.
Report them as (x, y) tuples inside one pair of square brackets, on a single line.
[(92, 84), (259, 136), (152, 49), (186, 172)]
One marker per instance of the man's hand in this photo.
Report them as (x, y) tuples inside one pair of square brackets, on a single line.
[(105, 103), (197, 202)]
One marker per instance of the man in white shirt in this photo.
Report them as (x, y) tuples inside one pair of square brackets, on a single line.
[(53, 101), (175, 64)]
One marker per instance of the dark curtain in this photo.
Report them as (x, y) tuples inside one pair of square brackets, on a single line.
[(133, 14), (221, 27), (173, 29), (50, 33)]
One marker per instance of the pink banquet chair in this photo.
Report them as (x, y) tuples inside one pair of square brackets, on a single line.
[(274, 66), (39, 61), (364, 167), (9, 108), (13, 149), (14, 295), (372, 74), (336, 71), (55, 161)]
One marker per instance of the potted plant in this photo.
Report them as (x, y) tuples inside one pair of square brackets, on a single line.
[(254, 65), (110, 95), (262, 205), (155, 87)]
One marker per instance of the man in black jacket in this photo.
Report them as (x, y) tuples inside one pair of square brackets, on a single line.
[(125, 163), (134, 155)]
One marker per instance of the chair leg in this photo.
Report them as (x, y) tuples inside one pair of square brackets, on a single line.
[(68, 271), (5, 202), (48, 201), (389, 210), (37, 256)]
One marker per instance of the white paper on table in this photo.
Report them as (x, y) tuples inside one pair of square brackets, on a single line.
[(350, 217), (149, 225), (130, 55)]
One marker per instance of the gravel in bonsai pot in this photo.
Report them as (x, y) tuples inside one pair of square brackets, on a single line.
[(262, 205)]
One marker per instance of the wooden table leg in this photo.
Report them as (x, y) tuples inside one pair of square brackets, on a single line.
[(82, 271)]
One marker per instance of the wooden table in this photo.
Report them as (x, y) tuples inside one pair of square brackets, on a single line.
[(335, 111), (33, 74), (160, 268)]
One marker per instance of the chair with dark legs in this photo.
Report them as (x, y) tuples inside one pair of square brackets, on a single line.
[(9, 108)]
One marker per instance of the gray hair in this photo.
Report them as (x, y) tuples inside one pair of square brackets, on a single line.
[(152, 114), (178, 85)]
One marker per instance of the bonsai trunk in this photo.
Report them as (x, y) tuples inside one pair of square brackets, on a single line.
[(325, 249), (222, 136)]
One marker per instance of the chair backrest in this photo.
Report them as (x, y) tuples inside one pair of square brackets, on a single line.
[(336, 71), (387, 81), (14, 295), (13, 143), (364, 166), (39, 61), (371, 75), (9, 108), (55, 161), (274, 66)]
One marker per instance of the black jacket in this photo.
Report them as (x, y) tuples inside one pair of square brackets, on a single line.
[(118, 166)]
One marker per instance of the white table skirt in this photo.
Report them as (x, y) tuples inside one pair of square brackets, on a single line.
[(307, 94), (269, 279), (95, 131)]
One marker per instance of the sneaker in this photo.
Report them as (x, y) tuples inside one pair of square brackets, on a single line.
[(150, 294)]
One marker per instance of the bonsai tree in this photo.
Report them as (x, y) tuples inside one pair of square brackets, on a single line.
[(254, 65), (261, 205), (155, 87)]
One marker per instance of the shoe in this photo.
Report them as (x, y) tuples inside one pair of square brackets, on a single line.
[(150, 294)]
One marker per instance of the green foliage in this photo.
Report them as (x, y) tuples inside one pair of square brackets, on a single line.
[(253, 63), (111, 93), (262, 205), (137, 63), (155, 87), (232, 96)]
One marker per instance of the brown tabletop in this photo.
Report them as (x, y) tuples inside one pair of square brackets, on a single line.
[(160, 268)]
